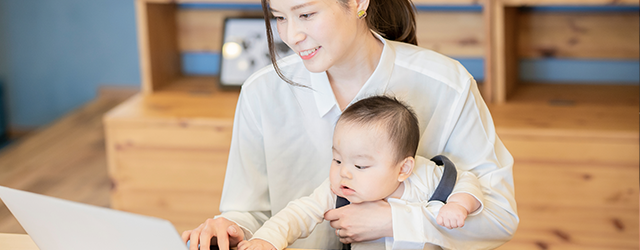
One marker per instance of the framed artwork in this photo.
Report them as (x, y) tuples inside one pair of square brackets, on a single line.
[(245, 49)]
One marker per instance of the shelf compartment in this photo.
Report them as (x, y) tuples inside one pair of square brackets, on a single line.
[(518, 34)]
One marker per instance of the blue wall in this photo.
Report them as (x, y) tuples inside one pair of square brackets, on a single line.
[(54, 54)]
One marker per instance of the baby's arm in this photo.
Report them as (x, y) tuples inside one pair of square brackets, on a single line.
[(255, 244), (465, 200), (459, 205), (298, 218)]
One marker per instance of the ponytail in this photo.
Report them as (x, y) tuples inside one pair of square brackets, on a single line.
[(393, 19)]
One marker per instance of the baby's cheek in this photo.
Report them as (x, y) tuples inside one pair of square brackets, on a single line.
[(334, 189)]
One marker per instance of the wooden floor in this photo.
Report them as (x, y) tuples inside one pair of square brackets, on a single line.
[(65, 160), (576, 172), (576, 165)]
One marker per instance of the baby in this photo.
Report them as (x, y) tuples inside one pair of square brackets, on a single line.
[(374, 158)]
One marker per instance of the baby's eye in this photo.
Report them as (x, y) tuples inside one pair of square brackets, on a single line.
[(361, 167), (337, 161)]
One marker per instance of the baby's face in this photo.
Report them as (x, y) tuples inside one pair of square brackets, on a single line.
[(363, 167)]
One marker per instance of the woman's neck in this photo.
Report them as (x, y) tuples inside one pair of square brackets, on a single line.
[(348, 78)]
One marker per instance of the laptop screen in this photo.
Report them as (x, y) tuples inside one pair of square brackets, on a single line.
[(56, 224)]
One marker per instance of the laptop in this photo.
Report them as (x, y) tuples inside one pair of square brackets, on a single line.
[(56, 224)]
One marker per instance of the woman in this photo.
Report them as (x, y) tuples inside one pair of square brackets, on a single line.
[(281, 146)]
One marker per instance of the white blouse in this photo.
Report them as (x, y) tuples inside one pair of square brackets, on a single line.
[(282, 136)]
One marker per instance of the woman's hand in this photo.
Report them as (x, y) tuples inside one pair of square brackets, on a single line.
[(361, 221), (221, 231)]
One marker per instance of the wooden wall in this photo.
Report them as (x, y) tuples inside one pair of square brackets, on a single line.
[(200, 30), (586, 35), (583, 35)]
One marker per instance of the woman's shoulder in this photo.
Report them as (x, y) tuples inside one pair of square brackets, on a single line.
[(431, 63), (411, 53)]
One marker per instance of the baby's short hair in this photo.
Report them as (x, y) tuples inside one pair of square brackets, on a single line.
[(390, 115)]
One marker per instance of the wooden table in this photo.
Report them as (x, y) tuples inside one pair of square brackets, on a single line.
[(17, 242)]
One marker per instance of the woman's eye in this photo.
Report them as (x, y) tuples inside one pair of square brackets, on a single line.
[(305, 16), (279, 18)]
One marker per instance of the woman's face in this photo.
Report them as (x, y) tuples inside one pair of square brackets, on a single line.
[(321, 32)]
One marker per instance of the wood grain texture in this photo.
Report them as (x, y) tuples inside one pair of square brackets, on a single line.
[(488, 88), (512, 69), (516, 35), (583, 198), (17, 242), (24, 242), (417, 2), (576, 35), (575, 169), (201, 30), (597, 111), (168, 151), (575, 146), (498, 55), (568, 2), (158, 45), (458, 34), (65, 159), (576, 155)]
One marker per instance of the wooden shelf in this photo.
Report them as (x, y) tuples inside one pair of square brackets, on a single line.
[(195, 85), (515, 35), (416, 2), (167, 147), (591, 111), (181, 105), (568, 2), (562, 94)]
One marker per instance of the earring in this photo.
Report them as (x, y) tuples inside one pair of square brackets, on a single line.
[(362, 14)]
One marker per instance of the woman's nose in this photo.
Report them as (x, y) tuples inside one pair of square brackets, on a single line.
[(295, 34)]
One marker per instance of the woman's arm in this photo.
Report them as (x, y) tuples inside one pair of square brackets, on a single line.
[(245, 187), (473, 146)]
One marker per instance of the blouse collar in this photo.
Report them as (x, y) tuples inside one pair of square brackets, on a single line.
[(375, 85)]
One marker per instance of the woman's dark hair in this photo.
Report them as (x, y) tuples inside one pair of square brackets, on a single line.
[(390, 115), (393, 19)]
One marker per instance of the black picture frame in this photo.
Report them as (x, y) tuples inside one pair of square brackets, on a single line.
[(245, 49)]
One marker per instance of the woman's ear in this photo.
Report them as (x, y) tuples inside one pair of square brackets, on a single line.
[(362, 5), (406, 169)]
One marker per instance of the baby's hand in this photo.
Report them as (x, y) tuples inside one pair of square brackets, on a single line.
[(255, 244), (452, 215)]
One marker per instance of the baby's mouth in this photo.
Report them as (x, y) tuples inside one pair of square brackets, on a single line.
[(343, 187)]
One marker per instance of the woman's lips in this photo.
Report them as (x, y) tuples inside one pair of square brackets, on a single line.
[(308, 54)]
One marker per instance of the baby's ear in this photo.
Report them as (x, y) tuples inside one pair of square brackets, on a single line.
[(407, 168)]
